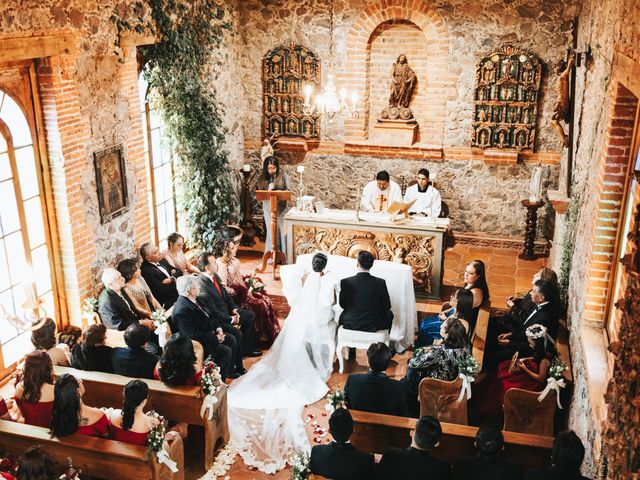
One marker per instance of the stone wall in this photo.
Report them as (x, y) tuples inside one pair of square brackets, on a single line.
[(443, 42)]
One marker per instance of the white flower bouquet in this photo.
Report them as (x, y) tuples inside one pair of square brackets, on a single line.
[(468, 366), (335, 399), (300, 463), (253, 283), (157, 442), (90, 305), (557, 369), (211, 382)]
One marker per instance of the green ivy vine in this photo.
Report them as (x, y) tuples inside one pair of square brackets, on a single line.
[(568, 244), (177, 70)]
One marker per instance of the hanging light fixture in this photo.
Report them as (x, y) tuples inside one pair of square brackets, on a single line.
[(329, 103)]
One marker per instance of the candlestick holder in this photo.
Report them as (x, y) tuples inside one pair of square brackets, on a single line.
[(247, 224), (530, 229), (300, 187)]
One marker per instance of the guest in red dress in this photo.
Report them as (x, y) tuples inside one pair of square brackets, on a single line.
[(178, 366), (34, 391), (71, 415), (267, 326), (528, 373), (131, 424)]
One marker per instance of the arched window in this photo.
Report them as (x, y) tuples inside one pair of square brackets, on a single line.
[(24, 252), (160, 168)]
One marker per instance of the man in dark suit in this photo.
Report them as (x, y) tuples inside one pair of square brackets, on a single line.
[(197, 324), (214, 298), (487, 463), (365, 299), (134, 361), (545, 313), (159, 275), (374, 391), (339, 460), (567, 455), (416, 461), (116, 310)]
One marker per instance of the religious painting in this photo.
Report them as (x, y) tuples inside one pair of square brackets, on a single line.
[(286, 71), (111, 182), (506, 99)]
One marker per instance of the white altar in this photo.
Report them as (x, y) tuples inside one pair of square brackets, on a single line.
[(399, 284), (417, 241)]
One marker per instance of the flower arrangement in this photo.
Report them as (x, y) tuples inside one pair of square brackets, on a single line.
[(157, 442), (468, 366), (159, 316), (71, 473), (335, 399), (211, 382), (90, 305), (253, 283), (8, 464), (557, 369), (300, 463)]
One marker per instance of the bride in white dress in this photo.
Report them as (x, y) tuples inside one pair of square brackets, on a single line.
[(265, 405)]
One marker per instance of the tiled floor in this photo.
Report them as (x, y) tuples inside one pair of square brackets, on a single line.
[(507, 275)]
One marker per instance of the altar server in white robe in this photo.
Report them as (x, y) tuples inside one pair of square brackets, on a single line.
[(379, 194), (427, 198)]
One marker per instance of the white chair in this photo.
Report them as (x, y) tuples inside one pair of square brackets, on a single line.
[(357, 339)]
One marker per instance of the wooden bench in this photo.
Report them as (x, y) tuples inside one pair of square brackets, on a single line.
[(95, 456), (178, 404), (375, 432), (562, 347), (479, 337)]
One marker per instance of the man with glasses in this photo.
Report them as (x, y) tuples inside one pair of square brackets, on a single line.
[(427, 198)]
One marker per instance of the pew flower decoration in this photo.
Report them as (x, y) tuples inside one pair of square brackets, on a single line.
[(253, 283), (555, 380), (8, 464), (71, 473), (335, 399), (211, 382), (300, 463), (157, 442), (467, 369), (90, 305), (162, 326)]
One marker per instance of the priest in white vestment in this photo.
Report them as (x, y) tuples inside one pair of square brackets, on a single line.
[(379, 194), (427, 198)]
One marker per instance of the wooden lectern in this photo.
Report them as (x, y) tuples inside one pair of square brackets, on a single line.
[(273, 196)]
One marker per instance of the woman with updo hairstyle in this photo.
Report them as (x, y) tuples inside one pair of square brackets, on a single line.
[(44, 338), (174, 254), (136, 288), (71, 415), (34, 391), (274, 178), (91, 353), (131, 424), (319, 262), (36, 464), (179, 366), (267, 325)]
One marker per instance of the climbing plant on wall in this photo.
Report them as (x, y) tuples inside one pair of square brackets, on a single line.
[(568, 244), (178, 71)]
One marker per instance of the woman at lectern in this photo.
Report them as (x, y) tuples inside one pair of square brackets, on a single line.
[(273, 178)]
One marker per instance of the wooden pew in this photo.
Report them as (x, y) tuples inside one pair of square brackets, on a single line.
[(375, 432), (95, 456), (179, 404), (562, 346), (479, 337)]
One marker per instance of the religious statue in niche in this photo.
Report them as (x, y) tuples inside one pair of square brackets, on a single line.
[(285, 71), (403, 83), (561, 107), (507, 89)]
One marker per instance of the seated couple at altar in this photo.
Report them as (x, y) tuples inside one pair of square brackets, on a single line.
[(381, 193), (266, 404)]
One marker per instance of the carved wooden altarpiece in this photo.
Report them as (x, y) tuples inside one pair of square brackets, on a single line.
[(286, 70), (506, 99)]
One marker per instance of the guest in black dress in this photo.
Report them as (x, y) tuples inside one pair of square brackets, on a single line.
[(91, 353)]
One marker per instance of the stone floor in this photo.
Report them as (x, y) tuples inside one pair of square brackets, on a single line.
[(506, 273)]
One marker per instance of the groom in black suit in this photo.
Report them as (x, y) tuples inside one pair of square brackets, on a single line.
[(365, 299), (545, 313)]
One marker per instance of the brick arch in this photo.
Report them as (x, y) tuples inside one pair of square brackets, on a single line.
[(436, 35)]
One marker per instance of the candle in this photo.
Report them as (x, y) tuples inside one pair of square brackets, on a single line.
[(354, 100), (300, 169), (307, 94), (246, 167)]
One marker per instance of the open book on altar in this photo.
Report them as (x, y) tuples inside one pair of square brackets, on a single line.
[(397, 208)]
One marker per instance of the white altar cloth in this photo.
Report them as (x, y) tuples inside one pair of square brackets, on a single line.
[(399, 280)]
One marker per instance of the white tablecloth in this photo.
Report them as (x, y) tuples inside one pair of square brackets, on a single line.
[(399, 283)]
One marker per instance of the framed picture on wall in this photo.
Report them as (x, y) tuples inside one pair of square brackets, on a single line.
[(111, 182)]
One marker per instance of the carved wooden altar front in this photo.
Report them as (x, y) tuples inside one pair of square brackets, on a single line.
[(419, 246)]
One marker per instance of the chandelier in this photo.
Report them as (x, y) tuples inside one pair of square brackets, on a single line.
[(329, 103)]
